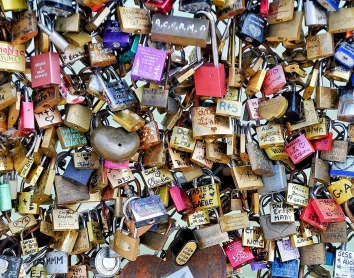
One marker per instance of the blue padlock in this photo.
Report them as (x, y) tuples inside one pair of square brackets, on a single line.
[(329, 258), (77, 176), (113, 37), (345, 54), (289, 269), (330, 5)]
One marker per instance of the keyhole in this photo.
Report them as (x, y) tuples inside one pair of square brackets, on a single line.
[(119, 144), (211, 75)]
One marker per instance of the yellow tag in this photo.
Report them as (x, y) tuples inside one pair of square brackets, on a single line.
[(317, 131), (253, 237), (198, 218), (341, 191)]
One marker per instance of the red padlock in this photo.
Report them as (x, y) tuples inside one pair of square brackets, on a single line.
[(26, 119), (309, 216), (328, 210), (237, 254), (264, 8), (45, 70), (157, 6), (181, 200), (209, 79), (274, 80)]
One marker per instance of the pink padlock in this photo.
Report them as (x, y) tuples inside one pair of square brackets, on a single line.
[(181, 200), (274, 80), (237, 254), (299, 148), (26, 119), (252, 108), (112, 165)]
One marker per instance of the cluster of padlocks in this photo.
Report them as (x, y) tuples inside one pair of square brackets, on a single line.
[(166, 138)]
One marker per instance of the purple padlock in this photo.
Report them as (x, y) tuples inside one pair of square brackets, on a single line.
[(258, 265), (148, 64), (113, 37)]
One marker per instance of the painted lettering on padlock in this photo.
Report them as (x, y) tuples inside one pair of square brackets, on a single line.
[(297, 195), (157, 176), (253, 237)]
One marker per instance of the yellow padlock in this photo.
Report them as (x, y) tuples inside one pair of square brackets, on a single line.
[(341, 191)]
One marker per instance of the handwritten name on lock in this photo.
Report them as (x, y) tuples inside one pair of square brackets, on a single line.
[(199, 155), (43, 95), (182, 138), (344, 264), (253, 237), (282, 212), (71, 137), (72, 54), (49, 116), (157, 176), (119, 177), (179, 158), (66, 219), (210, 236), (269, 135), (207, 195), (198, 218), (234, 222), (320, 46), (12, 57), (335, 232), (298, 194), (299, 148)]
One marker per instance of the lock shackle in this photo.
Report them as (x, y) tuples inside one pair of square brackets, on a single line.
[(300, 5), (125, 205), (94, 211), (339, 134), (24, 91), (83, 221), (247, 131), (213, 36), (210, 173), (121, 227), (299, 171), (316, 190)]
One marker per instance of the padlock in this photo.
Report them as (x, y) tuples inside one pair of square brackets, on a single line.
[(149, 133), (57, 262), (210, 77), (69, 23), (336, 71), (317, 131), (100, 56), (280, 11), (76, 176), (206, 196), (276, 183), (285, 269), (45, 99), (236, 77), (289, 30), (94, 229), (344, 107), (256, 81), (270, 135), (125, 245), (319, 45), (274, 231), (237, 254), (11, 6), (309, 216), (24, 26), (80, 268), (312, 254), (100, 16), (274, 80), (180, 198), (320, 170), (24, 202), (326, 97), (117, 94), (339, 150), (253, 237), (251, 27), (82, 243), (345, 55), (113, 37), (128, 54), (11, 264), (182, 139), (38, 271), (299, 149), (140, 209), (61, 8), (328, 210), (315, 14), (5, 196), (156, 240), (297, 194), (194, 6), (184, 246), (143, 70), (100, 256), (324, 144), (66, 241), (336, 24), (259, 161)]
